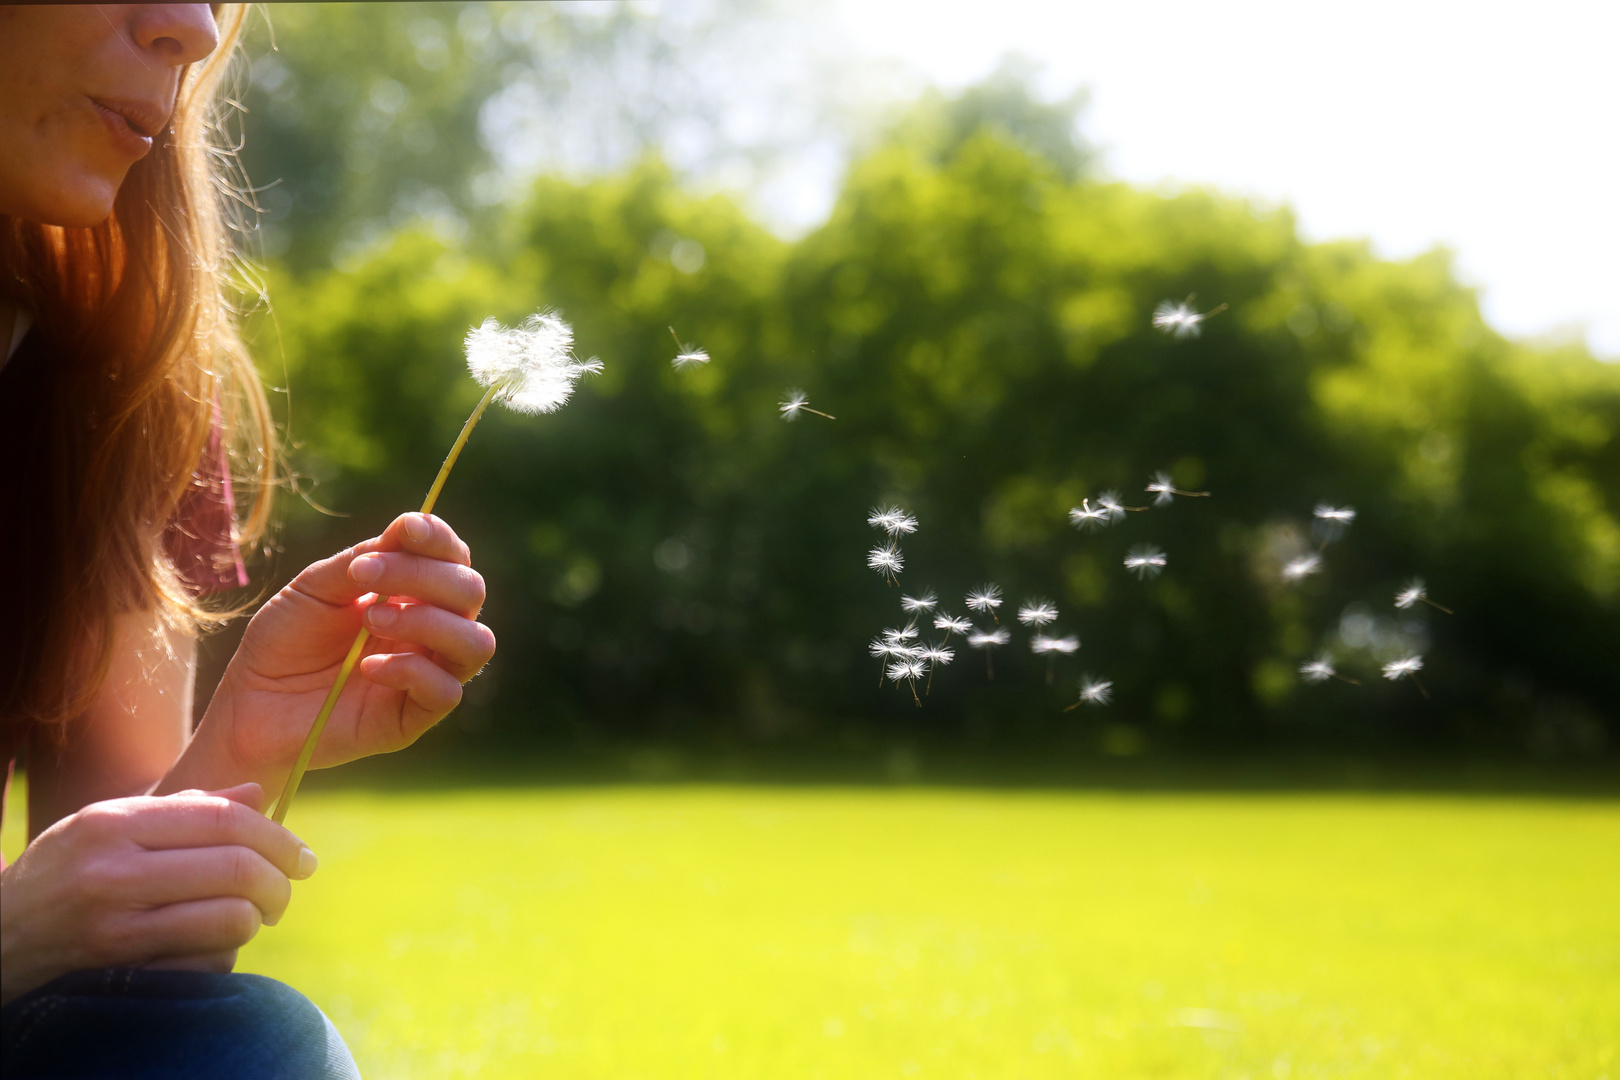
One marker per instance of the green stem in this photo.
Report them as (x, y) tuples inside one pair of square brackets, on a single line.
[(307, 751)]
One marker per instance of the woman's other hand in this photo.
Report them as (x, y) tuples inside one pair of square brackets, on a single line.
[(425, 643), (179, 880)]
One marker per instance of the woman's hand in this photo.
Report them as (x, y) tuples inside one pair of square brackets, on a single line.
[(426, 642), (180, 880)]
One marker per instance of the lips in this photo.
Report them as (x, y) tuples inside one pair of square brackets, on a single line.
[(137, 120)]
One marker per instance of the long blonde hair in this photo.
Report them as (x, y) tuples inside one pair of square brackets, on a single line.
[(142, 341)]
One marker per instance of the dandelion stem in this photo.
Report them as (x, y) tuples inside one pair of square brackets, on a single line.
[(307, 751), (1439, 607), (1420, 686), (1346, 678), (818, 412)]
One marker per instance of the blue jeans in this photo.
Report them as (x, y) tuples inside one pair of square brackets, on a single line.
[(127, 1023)]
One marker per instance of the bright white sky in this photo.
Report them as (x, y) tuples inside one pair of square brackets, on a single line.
[(1493, 128)]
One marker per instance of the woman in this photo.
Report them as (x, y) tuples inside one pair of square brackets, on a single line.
[(124, 400)]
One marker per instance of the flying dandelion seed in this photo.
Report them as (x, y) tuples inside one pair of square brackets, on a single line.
[(798, 403), (935, 656), (1145, 561), (1415, 593), (1321, 669), (1052, 648), (529, 369), (1406, 667), (1093, 692), (901, 635), (926, 602), (888, 561), (988, 640), (1038, 613), (892, 520), (1331, 521), (1109, 502), (986, 599), (885, 651), (1088, 518), (908, 672), (1164, 491), (686, 355), (1182, 320), (951, 625), (1301, 568)]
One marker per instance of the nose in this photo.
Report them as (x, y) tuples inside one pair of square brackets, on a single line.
[(176, 33)]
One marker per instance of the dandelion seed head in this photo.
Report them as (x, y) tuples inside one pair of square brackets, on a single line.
[(1038, 613), (1040, 644), (1145, 561), (1406, 665), (797, 402), (1412, 593), (531, 367), (1301, 568), (985, 598), (989, 639), (690, 357), (951, 624), (901, 634), (938, 654), (1319, 670), (892, 520), (1096, 691), (1339, 515), (926, 602)]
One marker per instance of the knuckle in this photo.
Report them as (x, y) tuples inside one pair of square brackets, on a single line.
[(111, 940), (473, 582), (238, 921), (241, 869), (101, 880)]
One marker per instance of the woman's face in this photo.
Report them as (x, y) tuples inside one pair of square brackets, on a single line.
[(84, 91)]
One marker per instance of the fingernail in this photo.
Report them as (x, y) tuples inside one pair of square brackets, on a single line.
[(365, 568), (307, 862), (381, 615), (418, 527)]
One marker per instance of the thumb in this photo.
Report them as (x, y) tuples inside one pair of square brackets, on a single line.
[(250, 795)]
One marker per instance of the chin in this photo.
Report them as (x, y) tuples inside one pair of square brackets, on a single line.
[(80, 202)]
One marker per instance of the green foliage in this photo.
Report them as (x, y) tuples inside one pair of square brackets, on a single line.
[(667, 557)]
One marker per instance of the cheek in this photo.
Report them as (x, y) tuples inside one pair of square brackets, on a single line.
[(66, 172)]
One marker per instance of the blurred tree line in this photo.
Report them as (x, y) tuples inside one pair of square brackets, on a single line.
[(668, 559)]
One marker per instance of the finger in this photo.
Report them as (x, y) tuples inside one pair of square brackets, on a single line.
[(193, 928), (250, 795), (452, 586), (219, 963), (158, 878), (329, 580), (423, 534), (199, 820), (463, 645), (433, 689)]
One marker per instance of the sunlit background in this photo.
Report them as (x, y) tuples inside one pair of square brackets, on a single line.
[(681, 827)]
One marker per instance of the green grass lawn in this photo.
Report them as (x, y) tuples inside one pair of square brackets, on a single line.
[(868, 932)]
